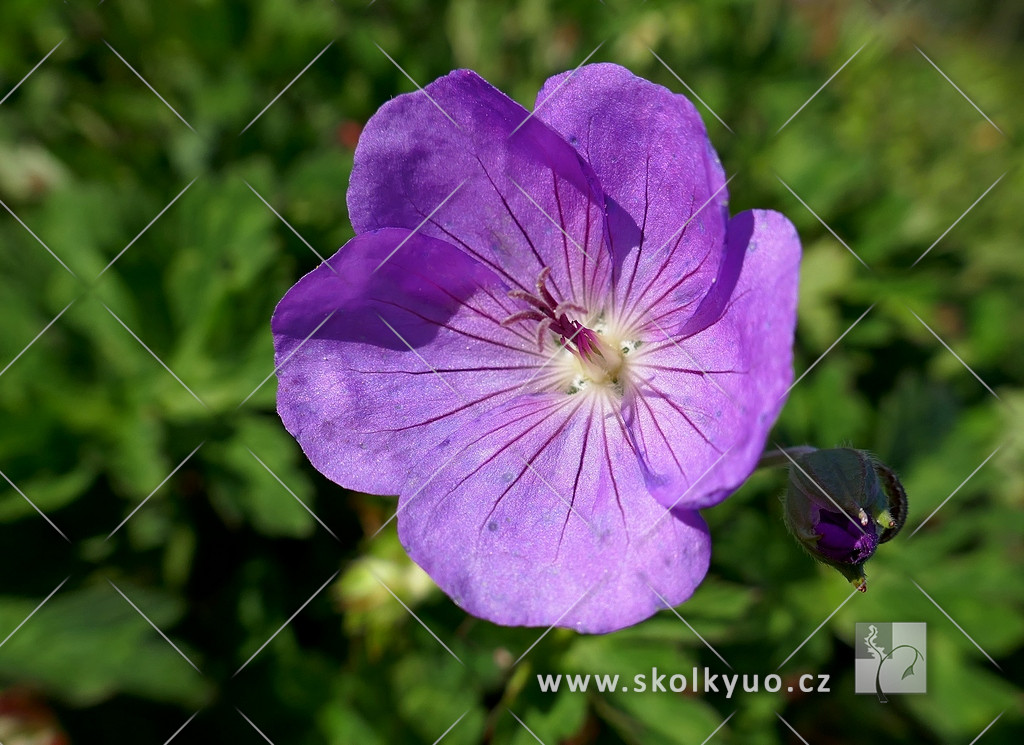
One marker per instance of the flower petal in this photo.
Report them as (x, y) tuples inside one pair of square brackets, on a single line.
[(703, 398), (651, 153), (537, 515), (514, 195), (388, 350)]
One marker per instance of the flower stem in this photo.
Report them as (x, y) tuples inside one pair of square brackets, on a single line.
[(778, 457)]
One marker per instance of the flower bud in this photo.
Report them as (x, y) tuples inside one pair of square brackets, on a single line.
[(840, 504)]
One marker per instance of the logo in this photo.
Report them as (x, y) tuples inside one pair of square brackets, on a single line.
[(890, 658)]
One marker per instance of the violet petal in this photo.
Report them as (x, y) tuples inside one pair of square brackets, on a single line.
[(526, 199), (537, 514), (651, 153), (840, 539), (362, 404), (712, 395)]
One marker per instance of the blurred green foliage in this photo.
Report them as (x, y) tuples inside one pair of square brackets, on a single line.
[(221, 553)]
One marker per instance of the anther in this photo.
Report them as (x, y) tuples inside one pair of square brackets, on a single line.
[(542, 287)]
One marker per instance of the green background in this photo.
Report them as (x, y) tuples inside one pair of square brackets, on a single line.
[(889, 154)]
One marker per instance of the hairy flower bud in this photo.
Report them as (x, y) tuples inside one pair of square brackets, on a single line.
[(840, 504)]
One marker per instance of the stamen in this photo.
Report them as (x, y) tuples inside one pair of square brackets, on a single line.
[(542, 287), (542, 329), (600, 362), (524, 315), (563, 307), (531, 299)]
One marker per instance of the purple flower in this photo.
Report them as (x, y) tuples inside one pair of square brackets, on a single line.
[(548, 339), (840, 539)]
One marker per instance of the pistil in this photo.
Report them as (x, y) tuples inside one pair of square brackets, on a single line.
[(599, 361)]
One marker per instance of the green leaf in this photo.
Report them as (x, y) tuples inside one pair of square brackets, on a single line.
[(109, 647), (254, 478)]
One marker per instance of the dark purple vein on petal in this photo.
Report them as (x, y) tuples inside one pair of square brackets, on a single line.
[(433, 419), (548, 411), (589, 301), (671, 400), (650, 320), (512, 214), (611, 474), (589, 287), (529, 462), (635, 306), (490, 264), (576, 479), (485, 368), (672, 369), (462, 332), (565, 240), (643, 228), (478, 311), (664, 438), (664, 265), (638, 440), (678, 409), (482, 258)]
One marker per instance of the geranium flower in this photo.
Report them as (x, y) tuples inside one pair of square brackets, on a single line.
[(548, 339)]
